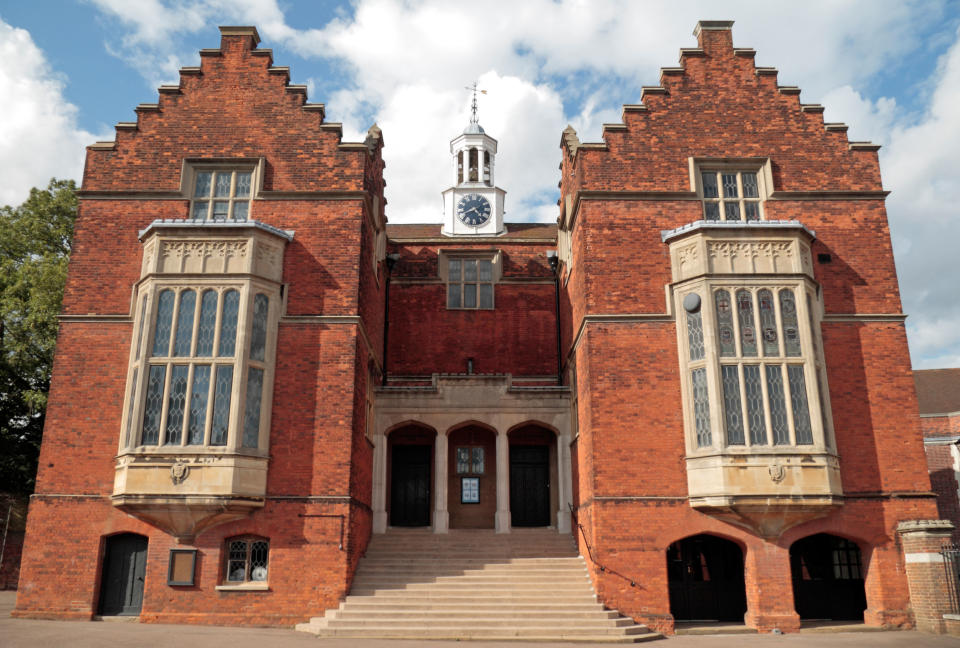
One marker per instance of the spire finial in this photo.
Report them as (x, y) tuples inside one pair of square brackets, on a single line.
[(473, 104)]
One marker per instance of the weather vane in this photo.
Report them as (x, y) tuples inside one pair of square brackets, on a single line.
[(473, 104)]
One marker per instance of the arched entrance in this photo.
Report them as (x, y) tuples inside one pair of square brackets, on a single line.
[(532, 473), (124, 570), (705, 576), (410, 476), (828, 578), (472, 477)]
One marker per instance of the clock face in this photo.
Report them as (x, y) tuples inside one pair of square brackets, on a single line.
[(473, 209)]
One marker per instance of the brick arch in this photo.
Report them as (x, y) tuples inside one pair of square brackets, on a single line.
[(721, 535)]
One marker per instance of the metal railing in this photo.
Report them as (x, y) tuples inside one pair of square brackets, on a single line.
[(951, 563), (586, 543)]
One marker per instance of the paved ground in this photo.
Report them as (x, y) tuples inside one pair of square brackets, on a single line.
[(21, 633)]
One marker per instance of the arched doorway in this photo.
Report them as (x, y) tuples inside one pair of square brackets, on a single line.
[(533, 474), (828, 578), (410, 476), (705, 577), (472, 477), (124, 571)]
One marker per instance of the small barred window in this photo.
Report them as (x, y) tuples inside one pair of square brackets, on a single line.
[(247, 560)]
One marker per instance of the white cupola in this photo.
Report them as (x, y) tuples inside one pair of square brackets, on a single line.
[(473, 206)]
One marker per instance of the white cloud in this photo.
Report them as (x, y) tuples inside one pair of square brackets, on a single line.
[(39, 137)]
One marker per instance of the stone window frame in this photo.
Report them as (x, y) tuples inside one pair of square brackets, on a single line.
[(809, 312), (141, 358), (494, 256), (762, 167), (249, 581), (193, 166)]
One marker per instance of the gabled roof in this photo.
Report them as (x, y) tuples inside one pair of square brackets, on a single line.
[(938, 390)]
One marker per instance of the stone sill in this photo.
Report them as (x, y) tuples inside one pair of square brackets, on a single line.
[(244, 587)]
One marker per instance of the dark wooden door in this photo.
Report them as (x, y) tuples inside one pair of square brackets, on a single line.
[(529, 486), (827, 578), (706, 580), (124, 568), (410, 486)]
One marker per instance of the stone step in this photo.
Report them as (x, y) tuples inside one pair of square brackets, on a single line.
[(530, 586), (466, 617), (479, 579), (504, 598), (480, 628), (466, 634), (374, 604)]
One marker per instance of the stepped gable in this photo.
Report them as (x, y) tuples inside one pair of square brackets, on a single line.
[(235, 104), (719, 104)]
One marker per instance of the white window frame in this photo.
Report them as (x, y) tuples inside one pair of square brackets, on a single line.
[(193, 167), (738, 166)]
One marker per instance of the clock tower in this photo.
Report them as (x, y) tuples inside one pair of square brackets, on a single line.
[(474, 205)]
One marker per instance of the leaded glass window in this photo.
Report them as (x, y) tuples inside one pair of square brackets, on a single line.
[(791, 332), (761, 376), (470, 460), (228, 323), (748, 333), (258, 340), (695, 335), (247, 560), (470, 283), (701, 407), (730, 195), (221, 195), (798, 402), (731, 405), (778, 408), (190, 400), (251, 421), (728, 347)]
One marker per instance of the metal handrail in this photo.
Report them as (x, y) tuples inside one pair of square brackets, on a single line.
[(603, 568)]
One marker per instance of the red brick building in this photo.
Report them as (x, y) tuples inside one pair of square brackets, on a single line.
[(700, 374), (938, 394)]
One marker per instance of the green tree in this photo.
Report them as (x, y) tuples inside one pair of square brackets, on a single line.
[(35, 240)]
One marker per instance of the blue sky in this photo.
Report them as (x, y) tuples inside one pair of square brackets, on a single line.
[(69, 70)]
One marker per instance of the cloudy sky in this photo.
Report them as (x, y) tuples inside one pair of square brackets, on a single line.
[(888, 68)]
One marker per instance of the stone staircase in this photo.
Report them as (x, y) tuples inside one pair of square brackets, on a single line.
[(527, 585)]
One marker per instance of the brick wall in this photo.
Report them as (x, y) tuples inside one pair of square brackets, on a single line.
[(630, 454)]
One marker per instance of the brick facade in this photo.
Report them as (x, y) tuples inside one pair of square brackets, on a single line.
[(610, 308)]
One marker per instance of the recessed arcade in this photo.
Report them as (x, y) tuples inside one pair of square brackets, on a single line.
[(471, 452)]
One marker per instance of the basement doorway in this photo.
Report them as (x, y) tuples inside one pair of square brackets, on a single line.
[(828, 578), (124, 569), (705, 576)]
